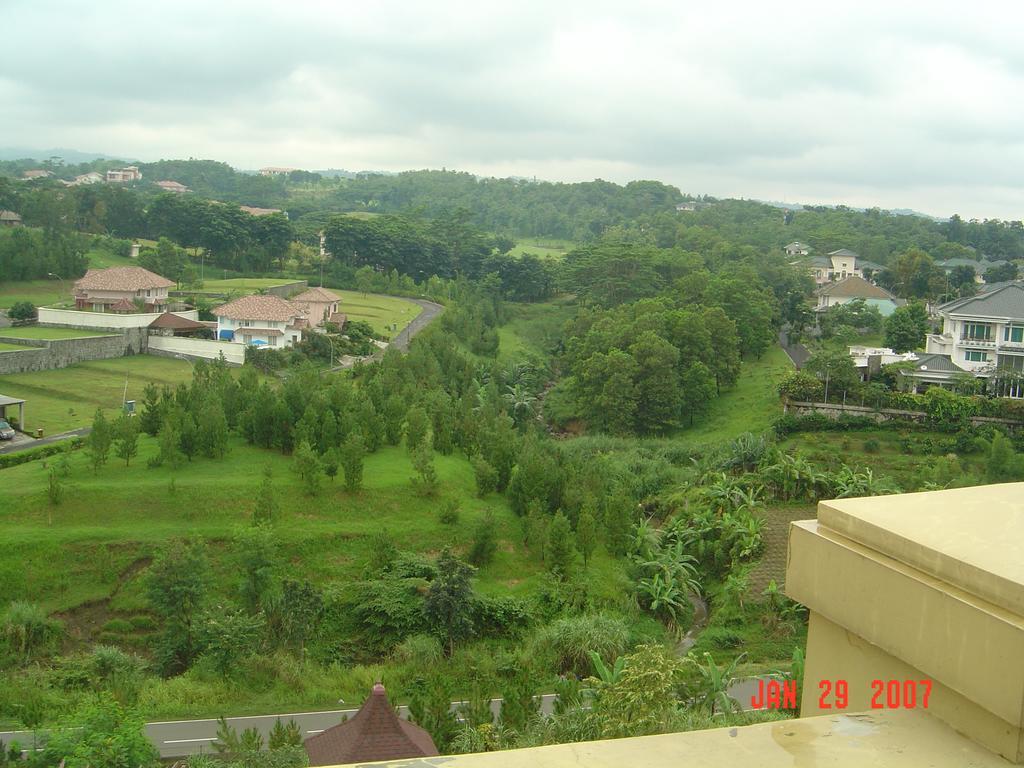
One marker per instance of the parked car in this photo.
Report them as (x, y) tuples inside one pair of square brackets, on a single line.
[(6, 431)]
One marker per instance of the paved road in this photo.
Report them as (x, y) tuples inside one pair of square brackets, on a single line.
[(421, 321), (22, 445), (797, 352)]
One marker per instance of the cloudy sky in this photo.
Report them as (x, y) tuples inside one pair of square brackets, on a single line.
[(915, 105)]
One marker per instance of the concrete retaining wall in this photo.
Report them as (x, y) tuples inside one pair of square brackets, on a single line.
[(73, 318), (48, 354), (172, 346)]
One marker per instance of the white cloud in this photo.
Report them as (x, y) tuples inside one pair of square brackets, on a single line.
[(900, 105)]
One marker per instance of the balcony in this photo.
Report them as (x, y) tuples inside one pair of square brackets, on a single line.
[(984, 342)]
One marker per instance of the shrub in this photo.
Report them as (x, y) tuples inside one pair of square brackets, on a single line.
[(118, 625), (500, 616), (449, 514), (566, 643), (22, 310), (22, 457), (485, 542), (872, 446), (27, 630), (722, 638), (420, 651), (142, 622)]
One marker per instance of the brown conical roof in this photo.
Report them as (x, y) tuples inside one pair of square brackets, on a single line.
[(375, 733)]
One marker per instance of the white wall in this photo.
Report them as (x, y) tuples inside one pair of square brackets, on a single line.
[(50, 316), (180, 345)]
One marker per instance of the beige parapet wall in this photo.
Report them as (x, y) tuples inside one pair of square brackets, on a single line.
[(202, 348), (914, 587), (74, 318)]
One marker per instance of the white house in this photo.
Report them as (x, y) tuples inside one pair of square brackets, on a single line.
[(121, 175), (119, 289), (984, 334), (837, 265), (797, 248), (260, 320)]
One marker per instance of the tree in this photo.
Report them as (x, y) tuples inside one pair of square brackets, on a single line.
[(485, 475), (698, 389), (352, 453), (151, 416), (212, 429), (416, 426), (189, 443), (425, 481), (835, 369), (307, 466), (906, 327), (394, 416), (228, 635), (100, 440), (127, 438), (105, 735), (560, 551), (176, 588), (266, 508), (485, 543), (448, 606), (258, 559), (657, 382), (284, 735), (586, 533), (998, 273)]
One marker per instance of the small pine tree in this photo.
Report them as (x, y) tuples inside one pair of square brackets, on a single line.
[(619, 518), (329, 433), (560, 550), (485, 542), (100, 440), (425, 481), (55, 487), (352, 453), (169, 442), (265, 510), (415, 428), (307, 466), (394, 415), (535, 529), (486, 476), (189, 441), (127, 439), (586, 534), (331, 462), (282, 736)]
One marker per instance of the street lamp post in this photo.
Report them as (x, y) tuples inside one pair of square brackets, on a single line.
[(63, 287)]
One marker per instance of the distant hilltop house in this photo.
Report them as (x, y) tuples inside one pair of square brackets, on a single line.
[(689, 205), (92, 177), (9, 219), (275, 171), (172, 186), (260, 321), (36, 173), (254, 211), (984, 333), (374, 734), (319, 305), (796, 248), (121, 175), (122, 289), (837, 265), (851, 288)]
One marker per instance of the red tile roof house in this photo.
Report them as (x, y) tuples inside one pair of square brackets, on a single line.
[(260, 320), (101, 289), (318, 304), (375, 733)]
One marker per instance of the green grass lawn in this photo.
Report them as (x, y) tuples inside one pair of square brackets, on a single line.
[(241, 284), (38, 292), (5, 347), (749, 406), (377, 310), (531, 329), (42, 332), (545, 248), (99, 259), (66, 399)]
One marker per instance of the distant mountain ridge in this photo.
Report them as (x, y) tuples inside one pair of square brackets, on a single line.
[(70, 156)]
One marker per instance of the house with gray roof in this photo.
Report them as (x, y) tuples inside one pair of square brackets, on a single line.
[(853, 287), (984, 334)]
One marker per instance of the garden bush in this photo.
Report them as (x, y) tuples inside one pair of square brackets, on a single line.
[(566, 643)]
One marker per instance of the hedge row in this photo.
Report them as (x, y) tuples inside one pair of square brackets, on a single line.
[(21, 457)]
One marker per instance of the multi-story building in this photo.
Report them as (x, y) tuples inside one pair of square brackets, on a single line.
[(122, 289), (984, 334), (260, 321), (837, 265), (119, 175)]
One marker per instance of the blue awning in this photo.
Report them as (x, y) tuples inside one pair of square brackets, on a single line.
[(227, 336)]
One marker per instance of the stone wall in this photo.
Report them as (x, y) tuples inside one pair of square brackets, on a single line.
[(288, 289), (835, 410), (48, 354), (74, 318)]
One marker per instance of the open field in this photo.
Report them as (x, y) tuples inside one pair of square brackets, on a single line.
[(65, 399), (241, 284), (41, 332), (545, 248), (531, 329), (5, 347), (38, 292), (103, 259)]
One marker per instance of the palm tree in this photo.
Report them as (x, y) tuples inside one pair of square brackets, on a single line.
[(521, 403), (713, 686)]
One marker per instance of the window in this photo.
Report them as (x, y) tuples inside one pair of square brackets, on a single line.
[(977, 332), (1014, 333), (975, 356)]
